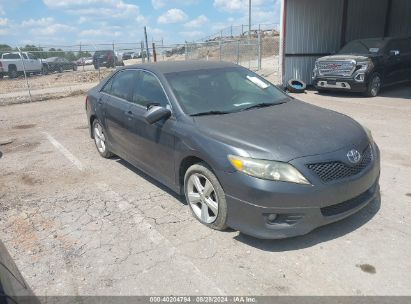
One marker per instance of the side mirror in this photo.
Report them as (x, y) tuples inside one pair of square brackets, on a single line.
[(394, 52), (156, 113)]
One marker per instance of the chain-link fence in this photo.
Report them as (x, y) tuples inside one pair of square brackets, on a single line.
[(42, 72)]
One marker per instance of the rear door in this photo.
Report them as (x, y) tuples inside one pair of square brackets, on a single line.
[(153, 143), (115, 98), (393, 62)]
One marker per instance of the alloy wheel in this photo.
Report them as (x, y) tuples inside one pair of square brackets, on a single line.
[(99, 138), (375, 85), (202, 198)]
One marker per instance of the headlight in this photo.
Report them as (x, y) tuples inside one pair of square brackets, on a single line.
[(363, 66), (267, 169), (369, 134)]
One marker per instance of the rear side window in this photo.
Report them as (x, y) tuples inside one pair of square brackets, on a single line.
[(11, 56), (121, 85), (402, 45), (149, 90)]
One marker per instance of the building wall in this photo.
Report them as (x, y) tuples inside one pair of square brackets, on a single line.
[(400, 18), (365, 18), (313, 28)]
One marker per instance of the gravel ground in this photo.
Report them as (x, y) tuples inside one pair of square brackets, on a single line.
[(78, 224)]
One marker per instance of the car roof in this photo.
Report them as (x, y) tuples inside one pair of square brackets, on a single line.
[(181, 66)]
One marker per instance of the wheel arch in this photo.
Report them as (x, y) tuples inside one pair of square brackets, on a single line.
[(186, 163)]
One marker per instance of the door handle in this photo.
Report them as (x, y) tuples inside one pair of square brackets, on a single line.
[(129, 113)]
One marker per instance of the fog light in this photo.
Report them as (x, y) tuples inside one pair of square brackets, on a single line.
[(271, 217)]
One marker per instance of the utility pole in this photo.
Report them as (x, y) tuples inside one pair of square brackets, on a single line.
[(249, 18), (148, 52)]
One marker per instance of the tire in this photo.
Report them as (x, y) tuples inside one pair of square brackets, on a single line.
[(374, 85), (45, 70), (96, 67), (74, 68), (60, 69), (216, 197), (13, 72), (102, 149), (296, 86), (1, 76)]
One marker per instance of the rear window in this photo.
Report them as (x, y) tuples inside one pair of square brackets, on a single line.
[(11, 56)]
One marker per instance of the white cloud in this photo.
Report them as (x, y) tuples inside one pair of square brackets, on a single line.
[(4, 21), (52, 30), (173, 15), (157, 4), (97, 9), (37, 22), (230, 5), (197, 22)]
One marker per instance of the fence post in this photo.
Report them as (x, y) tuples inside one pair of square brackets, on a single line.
[(220, 47), (142, 52), (238, 51), (25, 75), (145, 37), (259, 50), (186, 50), (154, 52)]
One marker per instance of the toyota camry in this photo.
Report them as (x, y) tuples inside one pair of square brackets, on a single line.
[(243, 153)]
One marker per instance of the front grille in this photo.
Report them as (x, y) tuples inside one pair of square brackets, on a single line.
[(336, 170), (349, 204), (336, 68)]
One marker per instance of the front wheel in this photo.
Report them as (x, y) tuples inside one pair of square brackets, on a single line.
[(374, 86), (205, 196), (100, 139)]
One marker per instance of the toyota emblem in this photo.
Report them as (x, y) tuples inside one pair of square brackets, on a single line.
[(354, 156)]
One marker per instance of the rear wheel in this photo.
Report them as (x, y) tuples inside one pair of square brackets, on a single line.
[(60, 69), (374, 86), (205, 196), (13, 72), (100, 139), (44, 70)]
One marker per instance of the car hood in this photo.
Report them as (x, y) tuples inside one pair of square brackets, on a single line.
[(344, 57), (284, 132)]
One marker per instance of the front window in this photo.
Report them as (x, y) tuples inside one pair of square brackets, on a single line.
[(223, 90), (366, 46)]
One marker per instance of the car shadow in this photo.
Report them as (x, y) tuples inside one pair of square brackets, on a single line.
[(1, 154), (149, 179), (319, 235)]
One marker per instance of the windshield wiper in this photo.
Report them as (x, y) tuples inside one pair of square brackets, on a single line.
[(262, 105), (210, 113)]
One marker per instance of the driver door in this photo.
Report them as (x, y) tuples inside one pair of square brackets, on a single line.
[(153, 143)]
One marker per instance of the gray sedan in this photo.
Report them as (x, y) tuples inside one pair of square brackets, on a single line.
[(243, 153)]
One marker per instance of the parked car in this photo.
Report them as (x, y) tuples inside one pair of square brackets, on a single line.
[(84, 61), (128, 55), (365, 65), (244, 154), (13, 64), (107, 58), (59, 64)]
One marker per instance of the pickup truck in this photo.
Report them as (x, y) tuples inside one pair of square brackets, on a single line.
[(13, 65), (365, 65)]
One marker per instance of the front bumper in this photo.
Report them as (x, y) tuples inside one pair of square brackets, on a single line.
[(339, 84), (299, 208)]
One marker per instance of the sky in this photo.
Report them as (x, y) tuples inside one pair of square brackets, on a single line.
[(66, 22)]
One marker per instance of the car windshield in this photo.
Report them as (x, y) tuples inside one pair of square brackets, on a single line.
[(366, 46), (222, 90)]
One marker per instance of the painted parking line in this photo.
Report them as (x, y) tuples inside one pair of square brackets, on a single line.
[(64, 151), (150, 231)]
